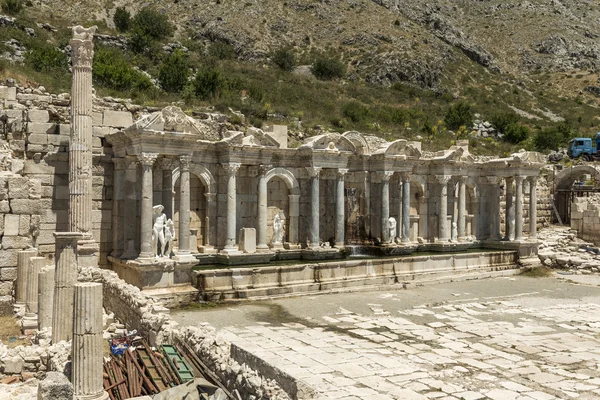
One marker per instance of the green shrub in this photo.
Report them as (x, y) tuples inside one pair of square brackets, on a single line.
[(174, 72), (208, 83), (152, 23), (46, 58), (327, 68), (553, 138), (356, 111), (515, 133), (284, 58), (458, 115), (113, 71), (122, 19), (12, 7), (221, 50), (502, 120)]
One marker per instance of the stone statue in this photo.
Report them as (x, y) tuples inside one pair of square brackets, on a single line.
[(454, 231), (392, 228), (277, 230), (511, 223), (158, 230), (169, 237)]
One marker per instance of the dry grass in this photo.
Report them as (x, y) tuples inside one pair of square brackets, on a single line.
[(10, 333), (538, 272)]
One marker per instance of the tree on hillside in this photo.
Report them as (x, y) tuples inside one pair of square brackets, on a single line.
[(147, 27), (122, 19), (459, 115), (174, 72)]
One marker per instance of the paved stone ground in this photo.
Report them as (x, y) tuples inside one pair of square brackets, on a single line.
[(503, 338)]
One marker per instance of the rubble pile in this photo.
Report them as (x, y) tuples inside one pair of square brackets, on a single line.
[(562, 249)]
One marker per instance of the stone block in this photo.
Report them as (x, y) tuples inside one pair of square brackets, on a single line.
[(6, 288), (38, 116), (24, 223), (18, 187), (63, 130), (29, 206), (119, 119), (11, 225), (15, 242), (101, 131), (96, 118), (8, 273), (280, 134), (36, 138), (8, 93), (41, 128), (56, 386), (248, 240), (46, 237), (13, 365), (8, 258)]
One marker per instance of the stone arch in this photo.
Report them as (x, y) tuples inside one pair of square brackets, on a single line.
[(285, 175), (565, 178), (205, 176)]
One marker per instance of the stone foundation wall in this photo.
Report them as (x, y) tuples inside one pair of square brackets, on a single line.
[(138, 311), (585, 218)]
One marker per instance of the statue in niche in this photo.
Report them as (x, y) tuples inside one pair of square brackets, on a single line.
[(169, 237), (511, 223), (454, 232), (392, 229), (277, 230), (158, 230)]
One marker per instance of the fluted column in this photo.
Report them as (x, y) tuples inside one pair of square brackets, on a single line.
[(130, 209), (494, 210), (405, 223), (147, 161), (339, 208), (443, 235), (45, 296), (23, 257), (367, 204), (166, 167), (519, 207), (65, 279), (80, 146), (509, 226), (35, 266), (209, 228), (294, 201), (118, 203), (385, 204), (533, 207), (184, 204), (87, 342), (231, 170), (261, 232), (462, 207), (314, 206)]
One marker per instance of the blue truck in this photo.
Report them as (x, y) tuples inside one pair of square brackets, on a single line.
[(586, 148)]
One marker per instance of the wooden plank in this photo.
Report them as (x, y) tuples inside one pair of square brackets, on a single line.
[(151, 370), (150, 388)]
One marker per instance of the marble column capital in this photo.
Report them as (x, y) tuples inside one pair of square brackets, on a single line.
[(264, 168), (184, 162), (82, 47), (166, 163), (385, 175), (231, 168), (294, 197), (314, 171), (462, 178), (519, 179), (405, 176), (341, 172), (210, 196), (442, 179), (147, 159)]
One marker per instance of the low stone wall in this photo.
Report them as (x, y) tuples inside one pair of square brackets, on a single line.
[(35, 360), (139, 311), (585, 218), (239, 283)]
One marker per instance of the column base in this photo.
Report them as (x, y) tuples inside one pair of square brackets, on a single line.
[(184, 257), (100, 396), (29, 323), (262, 248), (208, 249), (277, 246), (233, 250), (339, 245)]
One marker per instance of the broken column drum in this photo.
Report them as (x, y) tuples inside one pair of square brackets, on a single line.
[(35, 266), (65, 279), (23, 257), (45, 296), (87, 342)]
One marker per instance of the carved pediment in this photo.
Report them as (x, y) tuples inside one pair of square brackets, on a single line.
[(402, 147), (257, 137), (530, 157), (173, 119), (332, 142)]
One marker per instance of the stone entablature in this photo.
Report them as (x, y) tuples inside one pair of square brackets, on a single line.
[(335, 188)]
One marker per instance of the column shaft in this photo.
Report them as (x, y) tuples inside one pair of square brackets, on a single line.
[(117, 211), (462, 208), (23, 257), (146, 250), (87, 342), (35, 266), (231, 170), (519, 208), (294, 201), (45, 297), (261, 234), (184, 204), (405, 234), (533, 208), (314, 206), (385, 205), (509, 226), (167, 192), (339, 209), (65, 279), (443, 212)]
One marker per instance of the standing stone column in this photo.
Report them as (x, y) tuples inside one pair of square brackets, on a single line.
[(533, 207), (294, 200), (339, 208), (443, 235), (166, 166), (147, 161), (231, 170), (117, 211), (35, 266), (385, 204), (462, 207), (130, 209), (519, 208), (209, 228), (509, 226), (65, 279), (314, 206), (261, 231), (80, 146), (45, 296), (87, 342), (367, 204), (184, 204), (405, 226), (494, 203), (23, 257)]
